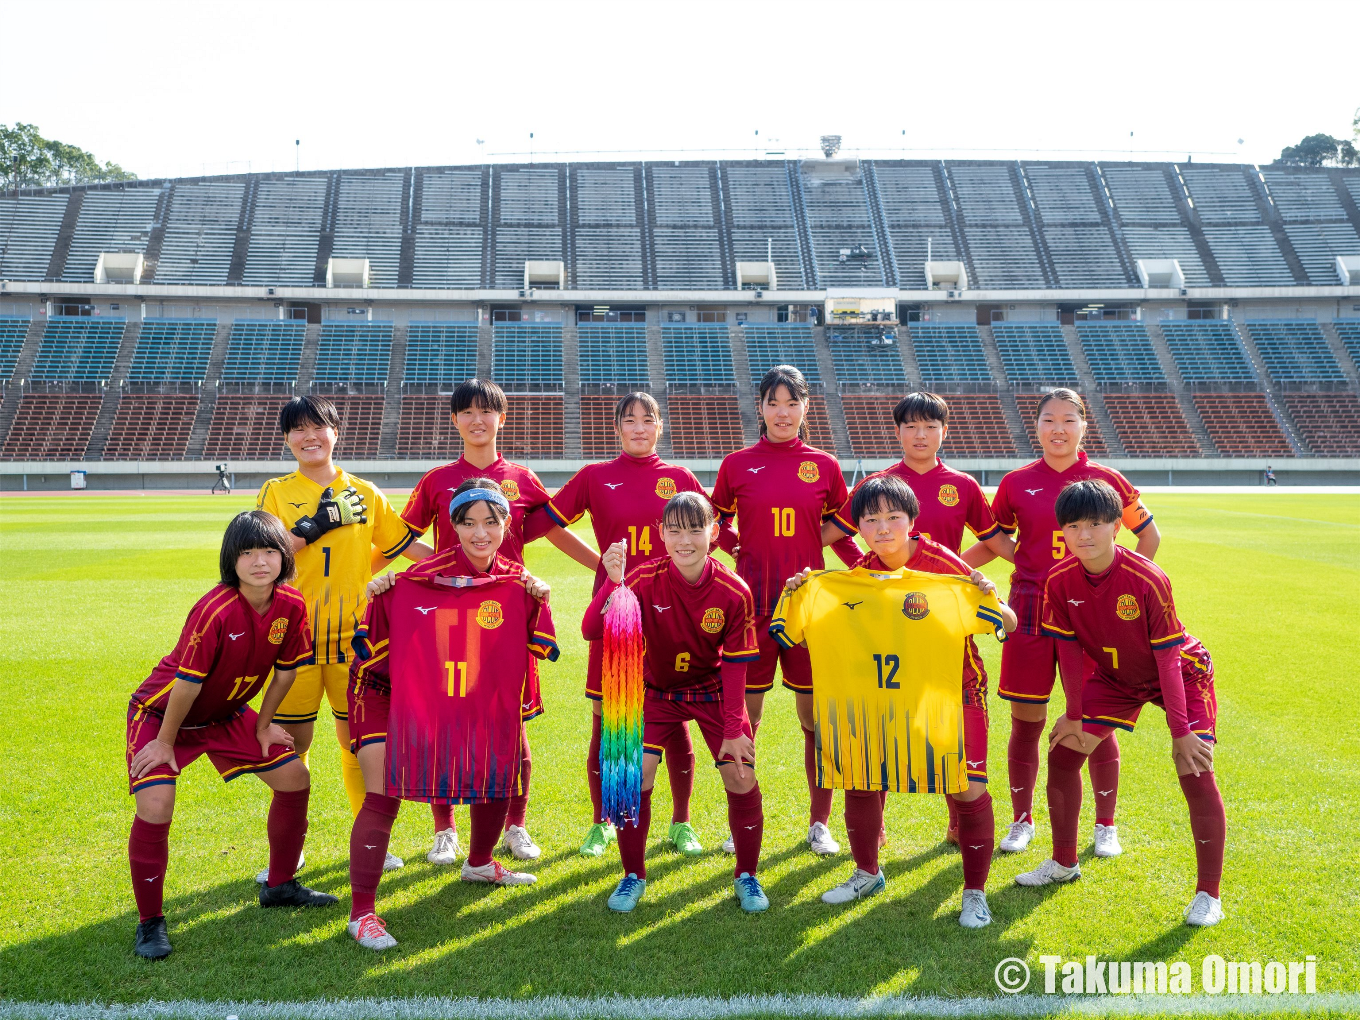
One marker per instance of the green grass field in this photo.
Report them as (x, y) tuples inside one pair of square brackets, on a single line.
[(96, 588)]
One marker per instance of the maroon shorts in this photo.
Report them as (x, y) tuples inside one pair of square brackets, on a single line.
[(230, 745), (975, 742), (367, 717), (1106, 705), (595, 671), (794, 663), (1029, 658), (661, 717)]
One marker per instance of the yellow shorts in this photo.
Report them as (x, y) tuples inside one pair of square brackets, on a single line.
[(303, 699)]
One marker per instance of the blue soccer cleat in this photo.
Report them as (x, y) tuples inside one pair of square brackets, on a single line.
[(627, 893), (749, 893)]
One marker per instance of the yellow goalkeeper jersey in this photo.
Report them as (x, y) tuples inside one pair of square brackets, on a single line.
[(886, 651), (333, 570)]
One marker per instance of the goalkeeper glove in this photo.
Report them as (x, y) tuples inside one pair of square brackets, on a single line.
[(332, 512)]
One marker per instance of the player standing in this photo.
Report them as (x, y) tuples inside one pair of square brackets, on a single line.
[(779, 500), (698, 621), (625, 497), (1023, 506), (335, 538), (195, 702), (478, 409), (1117, 607)]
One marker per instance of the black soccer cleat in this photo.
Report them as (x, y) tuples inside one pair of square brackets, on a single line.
[(293, 894), (153, 941)]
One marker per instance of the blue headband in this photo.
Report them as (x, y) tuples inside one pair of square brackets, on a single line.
[(478, 496)]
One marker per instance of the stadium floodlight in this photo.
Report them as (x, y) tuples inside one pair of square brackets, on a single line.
[(831, 144)]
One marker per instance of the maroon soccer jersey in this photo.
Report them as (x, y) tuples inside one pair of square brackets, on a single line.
[(780, 495), (1024, 502), (454, 657), (429, 502), (950, 501), (625, 497), (230, 649)]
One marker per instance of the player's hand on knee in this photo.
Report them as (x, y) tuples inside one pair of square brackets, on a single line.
[(537, 587), (798, 580), (740, 749), (272, 735), (1197, 754), (613, 560), (984, 583), (152, 756), (379, 584), (1064, 728)]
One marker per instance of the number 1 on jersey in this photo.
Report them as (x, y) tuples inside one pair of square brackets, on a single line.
[(639, 541), (457, 678)]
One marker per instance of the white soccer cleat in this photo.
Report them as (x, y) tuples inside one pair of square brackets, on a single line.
[(859, 885), (496, 875), (1203, 911), (1049, 873), (446, 849), (1018, 838), (371, 933), (263, 877), (1107, 841), (392, 862), (975, 913), (820, 841), (517, 843), (729, 845)]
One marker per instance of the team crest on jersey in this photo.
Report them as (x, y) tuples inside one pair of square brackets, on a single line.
[(949, 495), (489, 615), (665, 487), (510, 489), (713, 620), (277, 630), (1126, 608), (808, 472), (916, 606)]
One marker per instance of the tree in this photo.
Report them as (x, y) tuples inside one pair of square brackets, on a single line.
[(40, 162), (1320, 150)]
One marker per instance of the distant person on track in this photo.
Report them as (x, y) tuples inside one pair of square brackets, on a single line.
[(1270, 476)]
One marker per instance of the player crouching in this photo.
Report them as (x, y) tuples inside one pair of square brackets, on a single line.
[(698, 620), (195, 703), (1116, 607)]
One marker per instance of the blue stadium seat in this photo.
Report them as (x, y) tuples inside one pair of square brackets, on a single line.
[(770, 344), (1349, 332), (440, 352), (1034, 352), (172, 350), (1294, 350), (1119, 352), (13, 330), (1208, 350), (858, 362), (528, 354), (353, 352), (697, 354), (613, 353), (78, 348), (949, 353), (264, 351)]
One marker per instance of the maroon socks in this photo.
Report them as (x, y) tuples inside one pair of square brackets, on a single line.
[(487, 824), (1104, 768), (746, 817), (368, 849), (148, 856), (633, 840), (519, 803), (1209, 827), (1064, 802), (977, 838), (819, 800), (680, 767), (863, 821), (593, 769), (1023, 757), (287, 828), (443, 817)]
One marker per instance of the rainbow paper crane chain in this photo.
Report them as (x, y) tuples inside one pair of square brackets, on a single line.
[(621, 709)]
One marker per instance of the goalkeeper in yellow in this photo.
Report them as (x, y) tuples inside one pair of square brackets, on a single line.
[(339, 525)]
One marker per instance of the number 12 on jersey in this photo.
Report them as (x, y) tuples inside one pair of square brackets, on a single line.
[(891, 663)]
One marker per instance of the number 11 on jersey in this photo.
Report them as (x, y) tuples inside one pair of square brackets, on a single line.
[(457, 679)]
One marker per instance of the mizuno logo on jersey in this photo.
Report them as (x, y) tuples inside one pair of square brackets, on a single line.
[(234, 636), (1033, 491), (979, 762), (423, 611), (1075, 602), (659, 609), (852, 605), (757, 470), (612, 485), (298, 506)]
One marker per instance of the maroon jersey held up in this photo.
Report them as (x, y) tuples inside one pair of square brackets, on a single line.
[(454, 653), (625, 497), (429, 502), (231, 650), (950, 501), (780, 495)]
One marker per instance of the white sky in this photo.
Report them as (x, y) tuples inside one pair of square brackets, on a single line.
[(173, 89)]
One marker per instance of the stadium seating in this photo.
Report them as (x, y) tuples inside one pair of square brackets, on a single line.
[(200, 233), (697, 354), (1329, 422), (914, 211), (172, 350), (1349, 332), (13, 331), (686, 238), (51, 426), (1119, 353), (264, 351), (368, 223), (530, 225), (1028, 402), (1207, 351), (838, 217), (78, 348), (1082, 247), (449, 229), (533, 428), (425, 431), (286, 231), (528, 354), (1294, 350), (1034, 352), (29, 226), (613, 353), (599, 441), (859, 363), (949, 353), (245, 428), (440, 352), (769, 344), (151, 426), (868, 420), (353, 352), (704, 427), (977, 426), (1151, 425), (607, 236), (1241, 425), (819, 425), (115, 220), (1317, 246), (998, 238), (763, 225), (360, 425)]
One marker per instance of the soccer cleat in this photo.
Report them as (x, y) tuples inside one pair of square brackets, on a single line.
[(496, 875), (371, 932), (517, 843), (1107, 841), (1203, 911), (601, 834), (729, 845), (627, 893), (392, 862), (749, 893), (951, 835), (682, 837), (975, 913), (820, 841), (153, 941), (1048, 873), (1018, 838), (859, 885), (446, 849), (262, 878), (294, 894)]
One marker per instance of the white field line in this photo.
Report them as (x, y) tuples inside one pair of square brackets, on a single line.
[(687, 1008)]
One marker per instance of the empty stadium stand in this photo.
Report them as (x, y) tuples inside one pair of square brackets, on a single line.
[(118, 220), (792, 343), (29, 227), (819, 425), (915, 210), (264, 351), (839, 218), (613, 354), (360, 425), (868, 420), (760, 199), (353, 352), (1119, 353), (285, 231), (51, 426), (369, 219), (528, 355), (949, 353), (1294, 350), (78, 349), (704, 427), (245, 428), (685, 227), (200, 233), (698, 354), (1349, 332), (13, 332), (1034, 352), (151, 426), (862, 359), (172, 351), (440, 352), (450, 228), (996, 228), (529, 226), (533, 428), (1151, 425), (1242, 425), (1028, 402), (1074, 216), (425, 431), (1328, 422), (1208, 351), (599, 441)]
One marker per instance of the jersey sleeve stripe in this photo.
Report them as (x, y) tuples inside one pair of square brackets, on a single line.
[(561, 519), (777, 632), (544, 648), (1161, 644), (301, 660), (410, 536), (191, 674), (841, 522), (750, 655), (987, 533), (1058, 632)]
